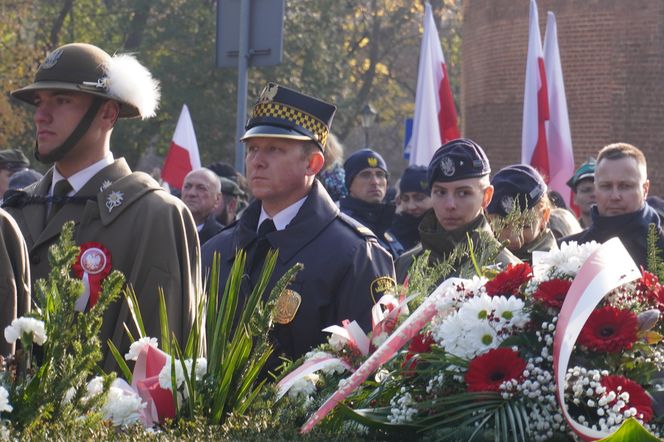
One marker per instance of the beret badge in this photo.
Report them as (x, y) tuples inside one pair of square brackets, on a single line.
[(447, 166)]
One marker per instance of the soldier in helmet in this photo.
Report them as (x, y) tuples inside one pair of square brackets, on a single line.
[(124, 220), (345, 270), (458, 176)]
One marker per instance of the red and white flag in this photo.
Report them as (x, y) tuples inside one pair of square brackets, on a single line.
[(559, 136), (183, 156), (535, 102), (435, 119)]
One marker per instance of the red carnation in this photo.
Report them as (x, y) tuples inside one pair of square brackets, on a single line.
[(638, 398), (650, 290), (609, 329), (421, 343), (487, 371), (552, 293), (509, 281)]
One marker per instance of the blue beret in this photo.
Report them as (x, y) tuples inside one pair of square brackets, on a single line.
[(414, 179), (457, 160), (517, 184), (586, 170), (361, 160)]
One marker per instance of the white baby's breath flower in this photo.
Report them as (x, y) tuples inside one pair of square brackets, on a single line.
[(26, 326), (4, 401), (337, 342), (123, 407), (304, 386), (137, 346)]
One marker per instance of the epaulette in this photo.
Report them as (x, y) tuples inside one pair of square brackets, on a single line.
[(356, 226)]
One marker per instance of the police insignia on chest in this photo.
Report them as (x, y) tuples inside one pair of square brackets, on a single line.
[(447, 166), (287, 306)]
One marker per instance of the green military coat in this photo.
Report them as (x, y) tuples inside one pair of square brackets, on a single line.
[(14, 277), (151, 237)]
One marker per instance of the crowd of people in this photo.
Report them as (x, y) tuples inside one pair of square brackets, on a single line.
[(355, 237)]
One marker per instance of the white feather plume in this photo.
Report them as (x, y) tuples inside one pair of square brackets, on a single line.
[(131, 82)]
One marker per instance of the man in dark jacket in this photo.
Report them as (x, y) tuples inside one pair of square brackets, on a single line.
[(345, 269), (621, 188), (415, 201), (201, 192), (366, 181), (458, 176)]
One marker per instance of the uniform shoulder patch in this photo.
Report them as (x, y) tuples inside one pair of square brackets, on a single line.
[(356, 226), (381, 286)]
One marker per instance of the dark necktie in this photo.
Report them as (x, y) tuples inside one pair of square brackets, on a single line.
[(262, 245), (61, 189)]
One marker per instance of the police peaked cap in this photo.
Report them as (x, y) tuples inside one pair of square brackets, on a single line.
[(517, 184), (457, 160), (414, 179), (360, 160), (586, 170), (284, 113), (82, 67)]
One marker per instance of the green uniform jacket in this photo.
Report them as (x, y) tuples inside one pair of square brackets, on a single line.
[(151, 237), (545, 242), (14, 277), (442, 242)]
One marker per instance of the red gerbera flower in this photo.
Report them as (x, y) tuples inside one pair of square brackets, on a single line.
[(609, 329), (552, 293), (509, 281), (487, 371), (638, 398), (421, 343)]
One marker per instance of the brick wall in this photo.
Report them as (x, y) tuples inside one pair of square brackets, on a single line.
[(612, 54)]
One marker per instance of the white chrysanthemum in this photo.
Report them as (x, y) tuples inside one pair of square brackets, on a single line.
[(509, 311), (337, 342), (26, 326), (201, 368), (4, 401), (123, 407), (447, 332), (94, 388), (477, 309), (137, 346), (305, 386), (566, 261), (165, 381), (333, 367)]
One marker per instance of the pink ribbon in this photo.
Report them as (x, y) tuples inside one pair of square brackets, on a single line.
[(606, 269), (145, 381), (310, 366)]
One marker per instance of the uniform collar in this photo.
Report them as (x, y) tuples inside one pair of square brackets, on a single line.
[(80, 178), (284, 217)]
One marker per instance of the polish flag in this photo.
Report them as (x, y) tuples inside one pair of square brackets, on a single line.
[(183, 156), (535, 102), (435, 119), (559, 136)]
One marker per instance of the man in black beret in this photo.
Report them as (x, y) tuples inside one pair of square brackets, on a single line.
[(414, 201), (458, 176), (11, 161), (521, 187), (345, 269), (366, 181)]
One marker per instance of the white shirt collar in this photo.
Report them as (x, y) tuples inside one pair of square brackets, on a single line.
[(80, 178), (283, 218)]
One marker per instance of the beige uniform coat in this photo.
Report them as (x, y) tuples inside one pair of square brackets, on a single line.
[(151, 237), (14, 277)]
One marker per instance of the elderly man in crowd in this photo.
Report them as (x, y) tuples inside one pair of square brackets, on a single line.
[(621, 189), (201, 192)]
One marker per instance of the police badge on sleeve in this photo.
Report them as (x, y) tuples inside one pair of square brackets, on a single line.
[(381, 286)]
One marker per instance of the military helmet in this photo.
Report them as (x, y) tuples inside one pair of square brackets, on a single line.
[(86, 68)]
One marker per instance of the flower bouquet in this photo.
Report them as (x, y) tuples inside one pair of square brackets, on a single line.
[(570, 348)]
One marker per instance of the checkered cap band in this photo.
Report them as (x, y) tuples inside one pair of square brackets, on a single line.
[(307, 121)]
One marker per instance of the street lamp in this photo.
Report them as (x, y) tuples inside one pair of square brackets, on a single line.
[(367, 117)]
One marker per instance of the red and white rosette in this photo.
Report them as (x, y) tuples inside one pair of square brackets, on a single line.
[(92, 265), (607, 268)]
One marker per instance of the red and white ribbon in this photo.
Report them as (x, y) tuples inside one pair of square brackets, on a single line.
[(310, 366), (607, 268), (92, 265), (145, 381)]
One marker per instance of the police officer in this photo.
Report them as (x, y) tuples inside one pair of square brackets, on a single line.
[(415, 201), (345, 270), (11, 162), (458, 176), (521, 187), (14, 276), (582, 184), (124, 221), (366, 181)]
